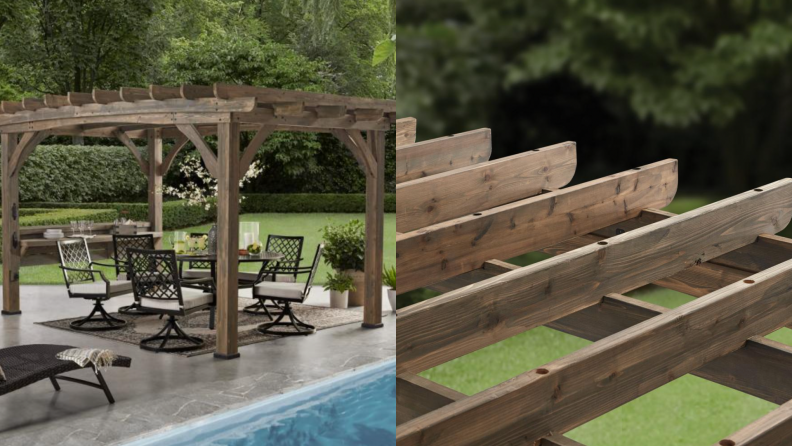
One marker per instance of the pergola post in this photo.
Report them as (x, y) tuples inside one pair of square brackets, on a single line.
[(155, 183), (11, 244), (375, 208), (227, 239)]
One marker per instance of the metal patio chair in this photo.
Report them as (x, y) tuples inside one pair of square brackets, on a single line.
[(121, 243), (80, 277), (158, 289), (287, 293), (284, 270)]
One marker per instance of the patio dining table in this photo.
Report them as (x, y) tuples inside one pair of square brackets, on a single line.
[(264, 258)]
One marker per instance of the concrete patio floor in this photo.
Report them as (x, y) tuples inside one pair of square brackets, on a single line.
[(160, 390)]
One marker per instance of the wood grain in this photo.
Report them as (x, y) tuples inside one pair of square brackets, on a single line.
[(10, 201), (449, 326), (773, 429), (570, 391), (154, 176), (464, 191), (375, 221), (406, 131), (209, 157), (447, 249), (440, 155)]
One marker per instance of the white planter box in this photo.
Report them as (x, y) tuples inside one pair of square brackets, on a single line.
[(392, 298), (339, 299)]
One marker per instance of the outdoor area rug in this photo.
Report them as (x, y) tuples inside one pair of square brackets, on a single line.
[(197, 324)]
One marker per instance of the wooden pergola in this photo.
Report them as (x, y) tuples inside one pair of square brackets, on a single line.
[(459, 216), (187, 114)]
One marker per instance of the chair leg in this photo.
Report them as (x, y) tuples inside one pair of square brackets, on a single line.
[(261, 308), (55, 383), (110, 322), (173, 333), (133, 309), (300, 327)]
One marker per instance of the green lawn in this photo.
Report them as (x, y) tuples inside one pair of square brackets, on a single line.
[(306, 225), (687, 411)]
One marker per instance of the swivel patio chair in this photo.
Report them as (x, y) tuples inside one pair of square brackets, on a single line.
[(121, 243), (284, 270), (158, 289), (287, 293), (81, 283), (195, 270)]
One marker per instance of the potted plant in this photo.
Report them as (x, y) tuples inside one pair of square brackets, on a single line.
[(345, 249), (389, 280), (339, 284)]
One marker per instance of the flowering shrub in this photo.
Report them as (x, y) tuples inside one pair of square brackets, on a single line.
[(200, 188)]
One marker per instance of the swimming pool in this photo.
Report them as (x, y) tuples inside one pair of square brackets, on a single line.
[(357, 408)]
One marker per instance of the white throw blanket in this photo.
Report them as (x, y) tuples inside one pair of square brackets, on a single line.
[(2, 375), (100, 359)]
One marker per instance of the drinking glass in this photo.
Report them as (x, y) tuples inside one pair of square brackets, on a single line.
[(90, 224), (73, 224), (81, 225)]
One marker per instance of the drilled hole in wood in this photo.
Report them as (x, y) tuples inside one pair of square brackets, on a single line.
[(602, 243), (637, 168), (477, 214), (542, 371), (757, 190), (726, 443), (748, 281)]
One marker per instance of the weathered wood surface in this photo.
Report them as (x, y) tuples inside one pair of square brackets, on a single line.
[(773, 429), (426, 201), (759, 368), (126, 141), (227, 241), (10, 202), (154, 165), (447, 249), (416, 396), (375, 230), (572, 390), (276, 96), (434, 156), (209, 158), (449, 326), (406, 129)]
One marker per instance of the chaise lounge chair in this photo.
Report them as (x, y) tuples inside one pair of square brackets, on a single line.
[(27, 364)]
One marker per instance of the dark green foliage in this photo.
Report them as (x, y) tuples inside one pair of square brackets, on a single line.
[(175, 214), (345, 245), (303, 203), (80, 174)]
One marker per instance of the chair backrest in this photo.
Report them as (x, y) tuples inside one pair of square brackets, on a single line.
[(154, 275), (74, 253), (121, 243), (291, 248), (314, 269), (198, 265)]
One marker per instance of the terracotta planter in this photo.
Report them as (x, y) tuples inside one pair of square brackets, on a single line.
[(339, 299), (356, 297), (392, 298)]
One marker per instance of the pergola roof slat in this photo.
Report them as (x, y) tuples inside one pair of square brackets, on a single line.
[(9, 107), (33, 104), (159, 92), (56, 101), (77, 99), (132, 94), (106, 96)]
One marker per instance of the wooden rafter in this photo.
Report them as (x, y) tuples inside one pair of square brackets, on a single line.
[(209, 157), (442, 197), (129, 144), (405, 131), (450, 248), (249, 154), (774, 428), (426, 158)]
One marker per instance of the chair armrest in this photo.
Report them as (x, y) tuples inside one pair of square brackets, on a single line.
[(92, 271), (200, 281), (113, 265)]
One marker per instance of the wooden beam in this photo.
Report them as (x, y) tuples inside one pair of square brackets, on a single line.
[(288, 109), (154, 167), (10, 222), (77, 99), (330, 111), (447, 249), (26, 146), (440, 155), (227, 241), (209, 158), (772, 429), (440, 329), (197, 91), (144, 166), (55, 101), (161, 93), (406, 129), (33, 104), (274, 96), (132, 94), (10, 107), (570, 391), (179, 144), (364, 147), (308, 119), (252, 148), (375, 223), (106, 96), (442, 197)]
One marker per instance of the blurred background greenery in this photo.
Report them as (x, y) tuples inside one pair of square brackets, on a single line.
[(708, 83)]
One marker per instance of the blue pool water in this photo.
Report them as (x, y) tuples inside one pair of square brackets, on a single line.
[(357, 408)]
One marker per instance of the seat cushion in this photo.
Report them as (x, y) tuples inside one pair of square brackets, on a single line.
[(117, 287), (192, 298), (189, 273), (281, 290), (250, 276)]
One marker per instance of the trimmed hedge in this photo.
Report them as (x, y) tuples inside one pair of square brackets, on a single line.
[(42, 217), (307, 203), (176, 215)]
